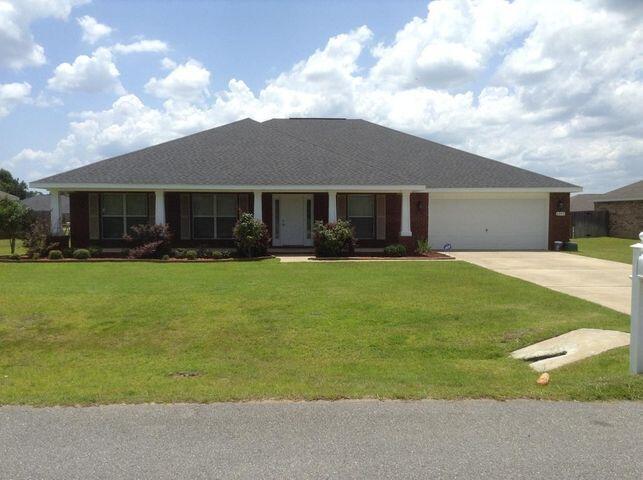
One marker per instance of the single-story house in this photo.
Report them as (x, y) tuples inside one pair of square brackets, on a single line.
[(41, 206), (393, 187), (625, 210)]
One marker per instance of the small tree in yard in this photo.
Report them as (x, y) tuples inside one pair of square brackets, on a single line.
[(15, 219), (148, 241), (251, 236), (334, 239)]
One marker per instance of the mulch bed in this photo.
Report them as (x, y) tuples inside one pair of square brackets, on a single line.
[(370, 256)]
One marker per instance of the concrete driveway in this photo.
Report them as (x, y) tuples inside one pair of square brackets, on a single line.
[(347, 439), (600, 281)]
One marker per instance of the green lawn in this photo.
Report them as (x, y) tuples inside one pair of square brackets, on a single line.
[(5, 248), (84, 333), (607, 248)]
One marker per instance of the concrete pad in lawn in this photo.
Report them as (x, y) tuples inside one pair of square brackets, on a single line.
[(571, 347), (600, 281)]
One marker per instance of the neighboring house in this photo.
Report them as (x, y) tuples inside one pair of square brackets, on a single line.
[(393, 187), (8, 195), (41, 206), (625, 210), (583, 202)]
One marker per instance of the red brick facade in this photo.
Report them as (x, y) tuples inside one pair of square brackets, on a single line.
[(79, 219), (560, 226)]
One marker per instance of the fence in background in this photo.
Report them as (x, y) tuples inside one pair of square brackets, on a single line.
[(589, 224)]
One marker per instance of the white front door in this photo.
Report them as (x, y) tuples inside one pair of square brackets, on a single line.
[(292, 222)]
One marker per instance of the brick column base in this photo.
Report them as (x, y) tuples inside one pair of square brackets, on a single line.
[(409, 243)]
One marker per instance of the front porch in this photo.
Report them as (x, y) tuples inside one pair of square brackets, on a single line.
[(207, 218)]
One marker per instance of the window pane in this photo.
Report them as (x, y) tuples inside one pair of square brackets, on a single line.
[(225, 226), (204, 227), (226, 206), (136, 204), (135, 221), (202, 205), (112, 227), (360, 206), (112, 203), (363, 227)]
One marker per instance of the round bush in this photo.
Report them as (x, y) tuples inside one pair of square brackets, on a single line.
[(191, 255), (165, 258), (81, 254), (396, 250), (334, 239), (55, 255)]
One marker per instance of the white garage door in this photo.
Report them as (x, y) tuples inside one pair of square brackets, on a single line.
[(486, 221)]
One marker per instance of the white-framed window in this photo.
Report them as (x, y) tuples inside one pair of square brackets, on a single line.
[(361, 214), (214, 215), (119, 211)]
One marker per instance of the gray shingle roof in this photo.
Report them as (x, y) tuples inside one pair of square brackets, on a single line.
[(8, 195), (583, 202), (42, 203), (633, 191), (304, 152)]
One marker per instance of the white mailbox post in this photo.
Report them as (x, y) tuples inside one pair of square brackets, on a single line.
[(636, 328)]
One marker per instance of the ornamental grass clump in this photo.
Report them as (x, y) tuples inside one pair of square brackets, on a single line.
[(334, 239), (251, 236)]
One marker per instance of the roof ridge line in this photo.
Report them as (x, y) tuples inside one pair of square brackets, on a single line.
[(327, 149)]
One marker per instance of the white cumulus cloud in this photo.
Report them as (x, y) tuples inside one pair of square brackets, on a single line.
[(188, 81), (18, 47), (12, 94), (141, 46), (90, 74), (92, 29)]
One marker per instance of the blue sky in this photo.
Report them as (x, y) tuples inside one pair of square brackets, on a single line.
[(553, 86)]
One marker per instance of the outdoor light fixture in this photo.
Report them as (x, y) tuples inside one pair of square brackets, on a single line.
[(561, 206)]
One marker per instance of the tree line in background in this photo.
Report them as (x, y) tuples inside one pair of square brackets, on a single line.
[(14, 186)]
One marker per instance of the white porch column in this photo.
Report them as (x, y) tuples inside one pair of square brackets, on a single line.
[(56, 225), (406, 215), (332, 207), (159, 207), (258, 206), (636, 326)]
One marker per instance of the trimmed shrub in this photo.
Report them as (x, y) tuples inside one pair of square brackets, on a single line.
[(396, 250), (81, 254), (251, 236), (423, 247), (95, 251), (204, 252), (35, 256), (55, 255), (148, 241), (165, 257), (178, 252), (222, 253), (334, 239), (68, 252), (191, 254)]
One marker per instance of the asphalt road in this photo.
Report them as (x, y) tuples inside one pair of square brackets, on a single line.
[(347, 439)]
